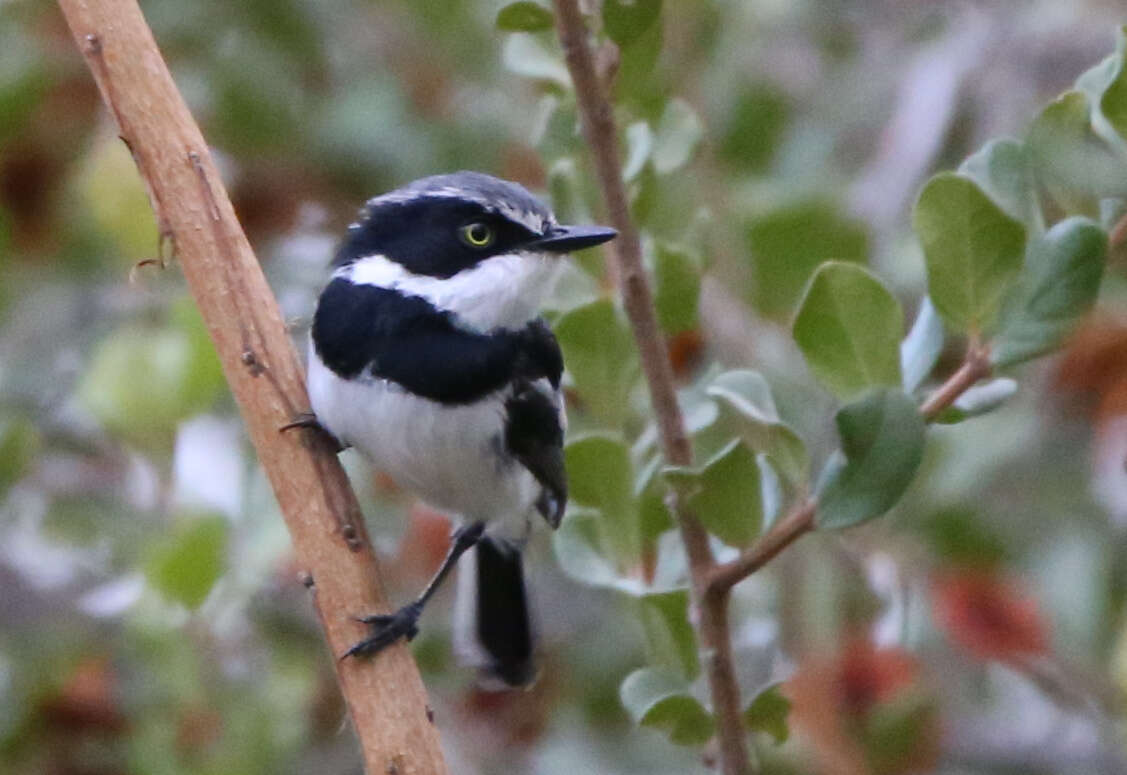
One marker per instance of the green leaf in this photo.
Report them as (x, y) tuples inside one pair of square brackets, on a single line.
[(577, 545), (1057, 287), (789, 243), (1113, 103), (142, 381), (1071, 161), (678, 133), (526, 56), (728, 499), (600, 476), (754, 128), (1004, 170), (600, 356), (627, 20), (657, 699), (186, 568), (639, 145), (921, 348), (971, 247), (849, 328), (524, 17), (882, 441), (19, 444), (670, 641), (677, 288), (746, 401), (768, 713)]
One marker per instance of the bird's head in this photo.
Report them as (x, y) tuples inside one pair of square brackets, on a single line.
[(471, 243)]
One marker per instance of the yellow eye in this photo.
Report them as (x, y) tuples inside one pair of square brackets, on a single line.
[(477, 234)]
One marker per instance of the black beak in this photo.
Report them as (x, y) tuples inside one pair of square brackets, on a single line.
[(564, 239)]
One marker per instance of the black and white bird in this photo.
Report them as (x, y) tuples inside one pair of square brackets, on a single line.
[(428, 355)]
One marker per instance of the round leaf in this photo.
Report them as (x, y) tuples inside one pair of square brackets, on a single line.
[(768, 713), (524, 17), (1003, 169), (186, 568), (657, 699), (971, 247), (600, 356), (670, 640), (678, 133), (627, 20), (600, 476), (1058, 285), (849, 328), (882, 442)]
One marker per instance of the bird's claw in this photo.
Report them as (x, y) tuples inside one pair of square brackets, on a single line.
[(386, 629)]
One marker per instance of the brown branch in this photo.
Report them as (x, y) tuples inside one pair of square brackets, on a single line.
[(975, 367), (797, 523), (385, 696), (800, 520), (637, 300)]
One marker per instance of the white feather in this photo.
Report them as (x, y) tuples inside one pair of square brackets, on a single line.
[(503, 291)]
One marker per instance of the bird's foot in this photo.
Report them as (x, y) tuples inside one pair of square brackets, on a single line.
[(308, 420), (386, 629)]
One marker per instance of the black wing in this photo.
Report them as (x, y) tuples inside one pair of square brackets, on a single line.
[(534, 436), (366, 329)]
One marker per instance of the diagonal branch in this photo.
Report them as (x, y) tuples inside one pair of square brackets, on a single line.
[(386, 697), (637, 300)]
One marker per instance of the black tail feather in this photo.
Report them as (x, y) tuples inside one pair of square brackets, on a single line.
[(504, 626)]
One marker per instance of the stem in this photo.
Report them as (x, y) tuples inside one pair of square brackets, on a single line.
[(386, 697), (800, 520), (975, 366), (637, 300)]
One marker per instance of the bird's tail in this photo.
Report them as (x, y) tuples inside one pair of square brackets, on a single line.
[(493, 625)]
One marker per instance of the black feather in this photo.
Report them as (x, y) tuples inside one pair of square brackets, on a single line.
[(504, 627)]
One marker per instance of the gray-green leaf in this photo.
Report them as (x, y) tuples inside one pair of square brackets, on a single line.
[(600, 476), (1004, 170), (670, 640), (600, 356), (657, 699), (1058, 285), (921, 347), (882, 441), (971, 247), (849, 328)]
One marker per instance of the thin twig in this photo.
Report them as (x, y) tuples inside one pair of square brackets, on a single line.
[(637, 300), (975, 367), (800, 520), (385, 696), (782, 534), (1118, 234)]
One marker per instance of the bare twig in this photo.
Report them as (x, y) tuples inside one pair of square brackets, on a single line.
[(782, 534), (975, 367), (385, 697), (637, 299), (1118, 234)]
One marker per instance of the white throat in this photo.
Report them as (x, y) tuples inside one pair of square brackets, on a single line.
[(503, 291)]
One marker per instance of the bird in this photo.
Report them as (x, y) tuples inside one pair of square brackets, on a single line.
[(428, 355)]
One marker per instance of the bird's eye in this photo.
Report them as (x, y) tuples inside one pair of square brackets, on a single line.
[(477, 234)]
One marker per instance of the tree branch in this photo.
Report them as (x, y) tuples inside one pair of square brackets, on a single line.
[(386, 696), (637, 300), (800, 520)]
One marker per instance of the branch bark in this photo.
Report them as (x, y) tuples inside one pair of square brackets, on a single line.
[(385, 697), (599, 129)]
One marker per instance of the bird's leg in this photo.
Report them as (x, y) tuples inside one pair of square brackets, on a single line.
[(388, 628), (309, 421)]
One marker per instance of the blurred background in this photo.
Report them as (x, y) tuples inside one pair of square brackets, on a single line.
[(151, 620)]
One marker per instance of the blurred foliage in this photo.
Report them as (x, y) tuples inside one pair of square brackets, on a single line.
[(152, 620)]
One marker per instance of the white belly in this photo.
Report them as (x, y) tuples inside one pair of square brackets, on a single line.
[(451, 456)]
